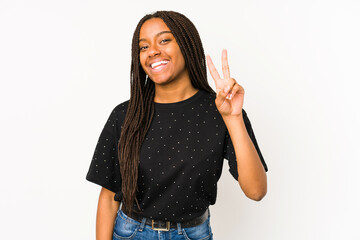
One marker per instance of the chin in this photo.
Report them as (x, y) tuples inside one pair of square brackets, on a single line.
[(161, 80)]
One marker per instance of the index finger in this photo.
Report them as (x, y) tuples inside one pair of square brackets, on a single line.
[(214, 73), (225, 64)]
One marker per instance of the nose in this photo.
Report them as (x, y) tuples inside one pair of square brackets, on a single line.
[(153, 50)]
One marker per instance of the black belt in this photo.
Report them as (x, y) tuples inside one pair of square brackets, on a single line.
[(166, 225)]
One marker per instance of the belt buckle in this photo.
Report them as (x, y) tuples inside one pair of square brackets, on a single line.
[(159, 228)]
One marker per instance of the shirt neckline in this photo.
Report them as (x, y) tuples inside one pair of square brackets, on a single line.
[(182, 103)]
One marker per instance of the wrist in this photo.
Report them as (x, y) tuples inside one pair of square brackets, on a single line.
[(233, 117)]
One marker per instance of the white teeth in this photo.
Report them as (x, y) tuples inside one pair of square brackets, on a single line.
[(158, 63)]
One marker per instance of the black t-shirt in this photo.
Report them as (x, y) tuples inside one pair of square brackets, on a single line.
[(181, 157)]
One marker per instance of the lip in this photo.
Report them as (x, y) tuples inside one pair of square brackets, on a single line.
[(157, 60), (159, 68)]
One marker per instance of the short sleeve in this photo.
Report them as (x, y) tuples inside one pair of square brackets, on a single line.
[(104, 169), (229, 152)]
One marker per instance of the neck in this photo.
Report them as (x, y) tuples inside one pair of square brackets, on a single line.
[(174, 94)]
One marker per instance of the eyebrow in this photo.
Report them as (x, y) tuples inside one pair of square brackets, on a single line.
[(158, 34)]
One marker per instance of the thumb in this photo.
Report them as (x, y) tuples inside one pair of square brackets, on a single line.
[(221, 96)]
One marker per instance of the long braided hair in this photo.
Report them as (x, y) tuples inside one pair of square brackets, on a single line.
[(140, 110)]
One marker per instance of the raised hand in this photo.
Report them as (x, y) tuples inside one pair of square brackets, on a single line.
[(230, 95)]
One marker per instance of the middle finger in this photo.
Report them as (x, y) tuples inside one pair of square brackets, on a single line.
[(225, 64)]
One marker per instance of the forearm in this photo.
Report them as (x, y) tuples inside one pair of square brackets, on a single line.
[(106, 214), (252, 176)]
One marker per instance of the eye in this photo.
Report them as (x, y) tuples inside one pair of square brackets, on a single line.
[(142, 48), (165, 40)]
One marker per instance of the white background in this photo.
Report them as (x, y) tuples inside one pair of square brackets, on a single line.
[(64, 65)]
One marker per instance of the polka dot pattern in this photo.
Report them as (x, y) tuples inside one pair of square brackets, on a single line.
[(181, 157)]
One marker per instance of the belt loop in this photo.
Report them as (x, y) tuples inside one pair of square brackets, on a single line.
[(142, 225), (179, 228)]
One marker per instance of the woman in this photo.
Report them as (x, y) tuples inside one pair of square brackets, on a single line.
[(161, 152)]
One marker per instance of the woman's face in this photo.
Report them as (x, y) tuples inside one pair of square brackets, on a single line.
[(160, 55)]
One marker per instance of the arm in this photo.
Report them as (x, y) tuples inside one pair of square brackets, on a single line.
[(252, 176), (106, 214), (229, 101)]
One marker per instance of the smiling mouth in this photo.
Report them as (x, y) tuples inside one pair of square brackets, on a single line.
[(158, 66)]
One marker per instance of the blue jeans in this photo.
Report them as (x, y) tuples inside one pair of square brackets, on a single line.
[(128, 228)]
